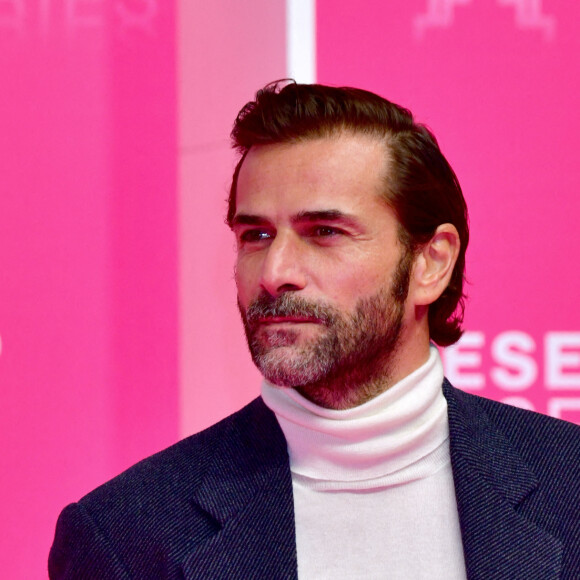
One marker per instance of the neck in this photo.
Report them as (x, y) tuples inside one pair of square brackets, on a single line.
[(386, 434)]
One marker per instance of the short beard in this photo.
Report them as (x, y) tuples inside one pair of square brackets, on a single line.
[(351, 362)]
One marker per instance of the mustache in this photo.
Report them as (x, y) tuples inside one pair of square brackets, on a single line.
[(266, 306)]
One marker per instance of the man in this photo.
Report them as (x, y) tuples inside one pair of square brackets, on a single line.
[(359, 460)]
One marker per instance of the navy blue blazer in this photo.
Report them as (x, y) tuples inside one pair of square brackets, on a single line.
[(219, 504)]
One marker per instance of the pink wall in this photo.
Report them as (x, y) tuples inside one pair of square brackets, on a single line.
[(497, 81), (88, 298)]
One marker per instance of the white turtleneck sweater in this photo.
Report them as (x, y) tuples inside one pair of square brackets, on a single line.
[(373, 486)]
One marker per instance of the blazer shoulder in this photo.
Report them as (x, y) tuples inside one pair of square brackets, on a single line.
[(516, 422), (550, 446), (523, 427), (181, 465), (145, 518)]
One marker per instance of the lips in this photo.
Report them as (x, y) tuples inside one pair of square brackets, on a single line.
[(287, 310), (289, 319)]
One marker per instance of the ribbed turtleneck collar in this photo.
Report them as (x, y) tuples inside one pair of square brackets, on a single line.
[(396, 437)]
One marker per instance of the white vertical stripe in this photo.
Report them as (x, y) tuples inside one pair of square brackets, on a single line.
[(301, 40)]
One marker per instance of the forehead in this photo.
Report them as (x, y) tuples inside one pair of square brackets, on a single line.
[(343, 171)]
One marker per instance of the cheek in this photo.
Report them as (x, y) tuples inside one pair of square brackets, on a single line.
[(247, 280), (345, 287), (356, 274)]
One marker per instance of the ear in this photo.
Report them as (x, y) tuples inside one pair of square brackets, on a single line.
[(434, 265)]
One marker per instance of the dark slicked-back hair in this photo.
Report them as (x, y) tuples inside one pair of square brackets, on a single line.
[(419, 184)]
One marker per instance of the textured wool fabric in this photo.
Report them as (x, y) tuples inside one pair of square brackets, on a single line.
[(517, 473), (373, 487)]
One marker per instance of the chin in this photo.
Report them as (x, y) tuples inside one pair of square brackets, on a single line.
[(288, 371)]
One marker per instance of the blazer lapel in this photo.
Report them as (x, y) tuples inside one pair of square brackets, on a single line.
[(491, 482), (248, 492)]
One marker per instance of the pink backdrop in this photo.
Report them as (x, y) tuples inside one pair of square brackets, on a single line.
[(88, 298), (118, 324)]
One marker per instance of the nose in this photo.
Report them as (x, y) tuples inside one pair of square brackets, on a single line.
[(283, 268)]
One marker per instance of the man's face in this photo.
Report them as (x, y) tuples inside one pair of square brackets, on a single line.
[(321, 275)]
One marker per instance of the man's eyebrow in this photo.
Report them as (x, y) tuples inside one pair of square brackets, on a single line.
[(327, 215), (243, 219)]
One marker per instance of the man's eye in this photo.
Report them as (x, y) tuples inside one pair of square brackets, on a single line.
[(326, 231), (250, 236)]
